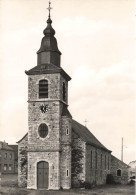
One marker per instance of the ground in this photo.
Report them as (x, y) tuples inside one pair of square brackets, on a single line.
[(9, 187)]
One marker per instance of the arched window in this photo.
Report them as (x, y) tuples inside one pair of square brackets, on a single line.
[(96, 159), (67, 131), (64, 91), (108, 163), (101, 161), (43, 130), (105, 162), (91, 159), (67, 173), (43, 89), (119, 172)]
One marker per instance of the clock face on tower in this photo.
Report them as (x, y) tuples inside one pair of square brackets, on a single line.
[(44, 108)]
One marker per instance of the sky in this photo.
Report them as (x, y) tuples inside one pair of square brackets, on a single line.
[(96, 38)]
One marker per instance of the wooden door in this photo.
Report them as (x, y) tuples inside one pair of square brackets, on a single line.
[(42, 174)]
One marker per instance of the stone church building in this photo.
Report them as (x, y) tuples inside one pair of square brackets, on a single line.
[(58, 152)]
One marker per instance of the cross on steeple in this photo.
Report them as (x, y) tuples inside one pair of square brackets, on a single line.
[(49, 8), (85, 122)]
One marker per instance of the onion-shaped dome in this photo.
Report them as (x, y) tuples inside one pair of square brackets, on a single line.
[(49, 42)]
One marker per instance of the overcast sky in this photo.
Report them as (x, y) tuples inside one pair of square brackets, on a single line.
[(96, 38)]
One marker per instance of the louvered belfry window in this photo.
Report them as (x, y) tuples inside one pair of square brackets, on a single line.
[(43, 89)]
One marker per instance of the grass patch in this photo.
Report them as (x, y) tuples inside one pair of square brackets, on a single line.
[(9, 183), (13, 191)]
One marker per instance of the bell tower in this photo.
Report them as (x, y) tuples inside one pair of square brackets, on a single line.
[(49, 52), (49, 121)]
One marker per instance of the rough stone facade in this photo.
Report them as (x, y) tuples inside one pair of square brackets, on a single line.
[(89, 164), (116, 165), (53, 159), (78, 160), (55, 148), (65, 154), (22, 161), (98, 163)]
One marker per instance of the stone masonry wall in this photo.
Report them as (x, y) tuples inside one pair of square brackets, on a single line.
[(65, 155), (97, 169), (53, 86), (62, 80), (78, 160), (117, 164), (53, 159), (50, 118), (39, 148), (22, 162)]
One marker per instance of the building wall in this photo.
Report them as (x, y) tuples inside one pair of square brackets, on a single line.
[(53, 158), (39, 148), (54, 83), (116, 164), (6, 161), (55, 143), (22, 162), (98, 164), (78, 160), (90, 170), (62, 80), (132, 169), (51, 118), (15, 148), (65, 155)]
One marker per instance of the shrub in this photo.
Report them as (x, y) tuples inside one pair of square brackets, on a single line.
[(86, 185)]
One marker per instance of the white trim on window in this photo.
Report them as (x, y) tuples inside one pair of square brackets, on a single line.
[(67, 173), (67, 131)]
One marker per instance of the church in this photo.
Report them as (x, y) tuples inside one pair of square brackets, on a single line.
[(58, 152)]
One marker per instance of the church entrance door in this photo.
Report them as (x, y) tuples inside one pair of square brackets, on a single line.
[(42, 174)]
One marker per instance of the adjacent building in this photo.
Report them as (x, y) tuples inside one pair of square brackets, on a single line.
[(132, 169), (7, 155), (15, 148)]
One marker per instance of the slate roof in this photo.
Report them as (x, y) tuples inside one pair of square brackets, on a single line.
[(4, 146), (119, 160), (86, 135), (22, 138), (47, 69), (15, 148), (65, 111)]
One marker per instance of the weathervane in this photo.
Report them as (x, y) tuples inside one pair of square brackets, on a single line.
[(49, 8)]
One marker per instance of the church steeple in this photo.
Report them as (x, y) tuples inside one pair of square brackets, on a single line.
[(49, 52)]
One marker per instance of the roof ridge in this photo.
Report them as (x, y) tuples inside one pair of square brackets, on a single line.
[(120, 160), (87, 136), (22, 138)]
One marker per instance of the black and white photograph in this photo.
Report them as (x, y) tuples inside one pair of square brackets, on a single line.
[(67, 97)]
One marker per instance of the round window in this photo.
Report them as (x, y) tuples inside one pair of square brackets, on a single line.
[(43, 130)]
